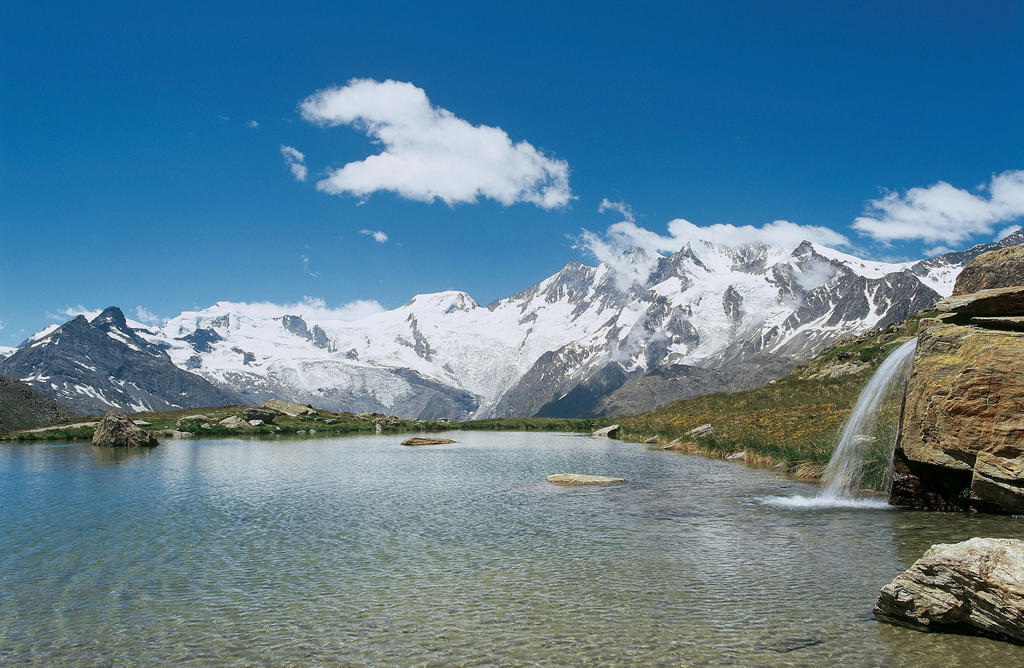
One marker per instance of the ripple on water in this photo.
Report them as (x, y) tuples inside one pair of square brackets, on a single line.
[(360, 551)]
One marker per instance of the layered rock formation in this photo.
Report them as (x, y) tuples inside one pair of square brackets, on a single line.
[(971, 587), (996, 269), (961, 443)]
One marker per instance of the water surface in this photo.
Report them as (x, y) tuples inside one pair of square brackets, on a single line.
[(358, 550)]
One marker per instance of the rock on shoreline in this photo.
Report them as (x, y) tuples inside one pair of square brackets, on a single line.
[(974, 587), (417, 441), (116, 430)]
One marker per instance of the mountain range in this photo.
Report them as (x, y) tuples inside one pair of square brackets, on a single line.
[(584, 341)]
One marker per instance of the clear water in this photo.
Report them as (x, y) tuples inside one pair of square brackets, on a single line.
[(842, 477), (361, 551)]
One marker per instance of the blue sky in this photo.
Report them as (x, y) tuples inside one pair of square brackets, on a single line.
[(141, 147)]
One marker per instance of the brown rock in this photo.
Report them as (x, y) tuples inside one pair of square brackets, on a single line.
[(996, 269), (426, 441), (971, 587), (116, 430), (961, 443), (580, 479)]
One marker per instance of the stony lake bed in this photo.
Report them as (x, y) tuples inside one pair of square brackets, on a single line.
[(358, 550)]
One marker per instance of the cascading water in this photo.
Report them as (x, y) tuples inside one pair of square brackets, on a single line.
[(842, 477)]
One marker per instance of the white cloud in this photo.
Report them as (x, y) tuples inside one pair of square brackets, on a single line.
[(312, 309), (938, 250), (1007, 231), (632, 251), (380, 236), (295, 160), (252, 124), (2, 324), (305, 267), (146, 316), (622, 207), (944, 214), (69, 312), (429, 153)]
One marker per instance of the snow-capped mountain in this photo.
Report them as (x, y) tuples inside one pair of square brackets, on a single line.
[(94, 366), (581, 342)]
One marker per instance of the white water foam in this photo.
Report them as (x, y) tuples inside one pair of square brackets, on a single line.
[(815, 502)]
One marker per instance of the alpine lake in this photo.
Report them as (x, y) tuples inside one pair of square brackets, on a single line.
[(360, 551)]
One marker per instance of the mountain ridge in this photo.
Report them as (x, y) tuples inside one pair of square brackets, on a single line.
[(583, 341)]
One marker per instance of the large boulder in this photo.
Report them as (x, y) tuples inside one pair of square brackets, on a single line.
[(117, 430), (1001, 268), (264, 414), (288, 408), (976, 586), (611, 431), (961, 442), (233, 422)]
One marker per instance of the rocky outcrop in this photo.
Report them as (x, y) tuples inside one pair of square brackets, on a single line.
[(233, 422), (116, 430), (23, 407), (972, 587), (961, 442), (611, 431), (264, 414), (417, 441), (289, 407), (1002, 268), (581, 479), (703, 431)]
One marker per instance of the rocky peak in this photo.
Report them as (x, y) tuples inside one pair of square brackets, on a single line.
[(111, 317)]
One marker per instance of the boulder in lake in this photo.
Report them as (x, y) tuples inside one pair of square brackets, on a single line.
[(581, 479), (611, 431), (289, 407), (116, 430), (416, 441), (975, 587)]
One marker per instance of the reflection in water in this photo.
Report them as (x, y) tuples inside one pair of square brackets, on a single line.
[(104, 455), (359, 550)]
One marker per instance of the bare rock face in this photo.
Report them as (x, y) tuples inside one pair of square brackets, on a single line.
[(974, 587), (961, 443), (116, 430), (1001, 268)]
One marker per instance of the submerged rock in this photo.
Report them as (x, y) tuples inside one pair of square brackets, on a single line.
[(116, 430), (415, 441), (976, 587), (581, 479), (610, 431)]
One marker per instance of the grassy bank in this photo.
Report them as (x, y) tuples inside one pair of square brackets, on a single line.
[(793, 423)]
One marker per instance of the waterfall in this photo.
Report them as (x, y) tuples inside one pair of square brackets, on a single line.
[(842, 477)]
